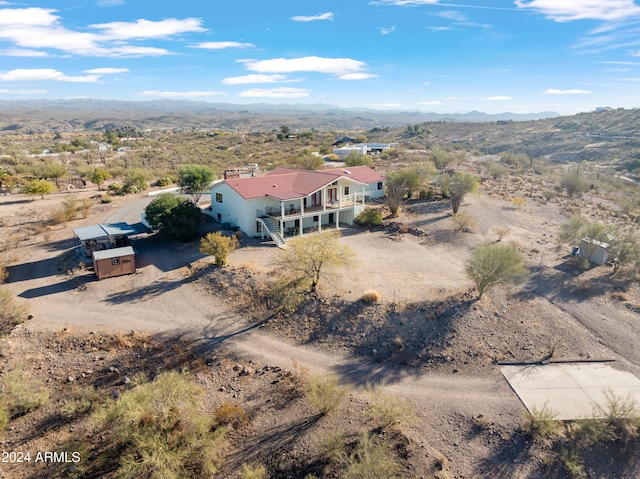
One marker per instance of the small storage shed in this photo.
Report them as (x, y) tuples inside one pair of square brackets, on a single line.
[(114, 262), (597, 251), (104, 236)]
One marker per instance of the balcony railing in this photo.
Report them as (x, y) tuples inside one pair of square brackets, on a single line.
[(315, 209)]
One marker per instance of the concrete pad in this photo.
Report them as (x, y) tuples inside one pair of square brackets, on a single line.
[(571, 390)]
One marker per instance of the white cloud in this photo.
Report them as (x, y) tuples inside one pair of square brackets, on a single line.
[(181, 94), (357, 76), (331, 66), (452, 15), (439, 29), (313, 18), (257, 78), (23, 92), (44, 74), (497, 98), (40, 28), (429, 103), (275, 93), (223, 45), (387, 31), (23, 52), (555, 91), (149, 29), (568, 10), (107, 71)]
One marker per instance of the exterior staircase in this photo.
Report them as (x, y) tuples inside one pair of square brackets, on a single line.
[(273, 232)]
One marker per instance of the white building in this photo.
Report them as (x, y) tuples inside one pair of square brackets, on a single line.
[(290, 202)]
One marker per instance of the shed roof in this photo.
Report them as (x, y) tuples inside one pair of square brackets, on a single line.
[(105, 230), (113, 253)]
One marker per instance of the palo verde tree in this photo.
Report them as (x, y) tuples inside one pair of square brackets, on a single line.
[(194, 179), (494, 263), (625, 251), (38, 187), (457, 186), (306, 260), (99, 176), (219, 246)]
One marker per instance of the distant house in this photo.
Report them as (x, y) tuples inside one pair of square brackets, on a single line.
[(114, 262), (290, 202), (363, 149)]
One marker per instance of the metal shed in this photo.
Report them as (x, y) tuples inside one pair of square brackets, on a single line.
[(104, 236), (114, 262)]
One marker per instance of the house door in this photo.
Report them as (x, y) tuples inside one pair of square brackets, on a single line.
[(333, 194), (316, 198)]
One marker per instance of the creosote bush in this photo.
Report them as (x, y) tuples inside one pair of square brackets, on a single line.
[(541, 422), (11, 314), (385, 411), (21, 393), (325, 393), (257, 471)]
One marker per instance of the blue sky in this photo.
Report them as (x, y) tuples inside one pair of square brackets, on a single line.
[(432, 55)]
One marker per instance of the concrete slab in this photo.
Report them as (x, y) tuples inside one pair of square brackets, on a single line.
[(572, 391)]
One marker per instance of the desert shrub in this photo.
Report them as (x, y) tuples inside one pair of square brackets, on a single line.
[(426, 194), (573, 464), (501, 232), (464, 222), (333, 446), (386, 411), (370, 296), (518, 200), (11, 314), (540, 422), (164, 181), (398, 342), (4, 274), (257, 471), (22, 394), (370, 460), (622, 416), (494, 263), (285, 295), (548, 195), (67, 211), (105, 199), (219, 246), (325, 393), (115, 188), (496, 170), (4, 417), (84, 402), (159, 430), (233, 415), (369, 217), (573, 184)]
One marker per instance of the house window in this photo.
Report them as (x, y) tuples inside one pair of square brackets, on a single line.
[(258, 227), (346, 190), (315, 219), (115, 261), (218, 197), (380, 185), (219, 217)]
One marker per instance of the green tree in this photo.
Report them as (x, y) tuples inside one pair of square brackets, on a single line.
[(457, 186), (494, 263), (53, 171), (99, 176), (175, 216), (625, 252), (159, 207), (194, 179), (285, 131), (573, 184), (309, 259), (38, 187), (135, 180), (307, 161), (159, 431), (218, 245)]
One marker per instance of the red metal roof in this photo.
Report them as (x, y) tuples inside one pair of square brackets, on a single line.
[(290, 183), (363, 174)]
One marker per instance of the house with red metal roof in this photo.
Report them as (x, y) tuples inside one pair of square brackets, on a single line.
[(289, 202)]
